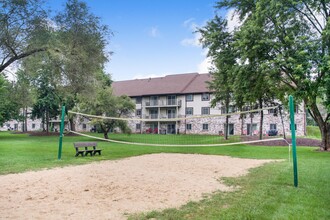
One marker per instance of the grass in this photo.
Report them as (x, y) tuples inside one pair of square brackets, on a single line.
[(170, 139), (313, 132), (266, 193)]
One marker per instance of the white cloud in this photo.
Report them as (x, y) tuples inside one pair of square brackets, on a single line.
[(154, 32), (205, 65), (195, 40), (187, 22), (233, 20), (147, 76), (192, 42)]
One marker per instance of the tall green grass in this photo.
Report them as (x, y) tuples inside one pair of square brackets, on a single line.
[(266, 193)]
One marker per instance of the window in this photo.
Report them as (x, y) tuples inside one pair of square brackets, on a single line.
[(171, 100), (205, 97), (232, 109), (230, 128), (205, 127), (138, 100), (273, 127), (153, 100), (271, 111), (138, 112), (84, 126), (153, 113), (189, 111), (251, 129), (138, 126), (205, 110), (223, 110), (33, 126), (171, 113), (188, 126), (189, 97)]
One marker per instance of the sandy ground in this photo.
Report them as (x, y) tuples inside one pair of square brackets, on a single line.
[(114, 189)]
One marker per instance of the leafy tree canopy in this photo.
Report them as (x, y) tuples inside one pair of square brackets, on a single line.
[(287, 45)]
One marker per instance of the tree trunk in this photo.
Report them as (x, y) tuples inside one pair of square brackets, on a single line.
[(280, 110), (325, 132), (324, 126), (23, 122), (47, 121), (105, 131), (242, 124), (25, 118), (261, 119), (227, 119), (105, 135), (251, 124), (226, 127), (72, 125), (43, 121)]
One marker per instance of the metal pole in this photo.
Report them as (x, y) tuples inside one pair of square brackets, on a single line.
[(61, 133), (293, 136)]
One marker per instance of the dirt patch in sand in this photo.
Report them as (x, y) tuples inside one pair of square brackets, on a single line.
[(114, 189)]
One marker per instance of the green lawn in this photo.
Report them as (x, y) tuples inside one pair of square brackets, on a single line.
[(266, 193), (180, 139)]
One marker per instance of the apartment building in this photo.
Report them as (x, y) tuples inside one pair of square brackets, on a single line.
[(177, 98), (166, 105)]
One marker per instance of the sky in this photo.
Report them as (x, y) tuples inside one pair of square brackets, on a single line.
[(153, 38)]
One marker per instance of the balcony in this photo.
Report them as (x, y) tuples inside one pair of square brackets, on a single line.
[(160, 117), (163, 103)]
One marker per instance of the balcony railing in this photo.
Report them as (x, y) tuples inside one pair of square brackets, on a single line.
[(161, 116), (164, 103)]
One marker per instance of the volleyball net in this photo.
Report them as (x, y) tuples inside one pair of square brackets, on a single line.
[(167, 128)]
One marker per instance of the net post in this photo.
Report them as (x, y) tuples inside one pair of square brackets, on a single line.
[(61, 134), (293, 137)]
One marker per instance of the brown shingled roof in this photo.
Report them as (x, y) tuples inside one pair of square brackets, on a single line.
[(170, 84)]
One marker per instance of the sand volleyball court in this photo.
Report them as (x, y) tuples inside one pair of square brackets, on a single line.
[(114, 189)]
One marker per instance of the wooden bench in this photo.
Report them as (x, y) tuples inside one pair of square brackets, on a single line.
[(85, 148)]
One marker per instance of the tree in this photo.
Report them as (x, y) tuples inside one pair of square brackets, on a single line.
[(106, 104), (253, 83), (23, 30), (217, 38), (9, 108), (23, 95), (47, 104), (82, 40), (297, 39)]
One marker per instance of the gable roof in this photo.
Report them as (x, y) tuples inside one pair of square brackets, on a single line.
[(170, 84)]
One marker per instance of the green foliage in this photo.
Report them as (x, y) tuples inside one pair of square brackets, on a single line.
[(106, 104), (9, 108), (47, 102), (218, 40), (283, 48), (81, 41), (23, 25)]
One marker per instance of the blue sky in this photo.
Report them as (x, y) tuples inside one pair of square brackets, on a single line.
[(153, 37)]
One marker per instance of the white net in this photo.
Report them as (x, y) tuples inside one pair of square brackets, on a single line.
[(244, 127)]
